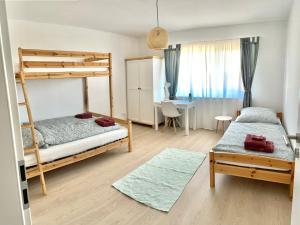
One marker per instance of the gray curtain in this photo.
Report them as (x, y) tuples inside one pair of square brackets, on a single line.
[(249, 53), (172, 59)]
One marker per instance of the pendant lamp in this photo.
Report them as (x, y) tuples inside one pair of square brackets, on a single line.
[(158, 37)]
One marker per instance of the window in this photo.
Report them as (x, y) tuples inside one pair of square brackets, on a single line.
[(210, 70)]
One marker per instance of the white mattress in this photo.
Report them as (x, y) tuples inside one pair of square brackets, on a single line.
[(250, 165), (75, 147)]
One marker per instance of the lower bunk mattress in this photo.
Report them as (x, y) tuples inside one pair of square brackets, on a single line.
[(74, 147), (61, 130), (233, 141)]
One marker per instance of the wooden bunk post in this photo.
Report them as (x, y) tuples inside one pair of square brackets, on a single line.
[(85, 94), (129, 136), (291, 191), (212, 169), (110, 84)]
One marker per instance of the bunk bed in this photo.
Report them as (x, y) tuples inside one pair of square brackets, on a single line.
[(229, 156), (52, 64)]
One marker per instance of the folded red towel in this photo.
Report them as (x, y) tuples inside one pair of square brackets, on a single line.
[(105, 121), (258, 143), (270, 147), (253, 142), (258, 138), (85, 115), (108, 119)]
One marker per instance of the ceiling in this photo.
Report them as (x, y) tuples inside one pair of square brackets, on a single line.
[(136, 17)]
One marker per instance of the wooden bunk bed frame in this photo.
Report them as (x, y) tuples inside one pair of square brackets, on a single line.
[(284, 177), (84, 60)]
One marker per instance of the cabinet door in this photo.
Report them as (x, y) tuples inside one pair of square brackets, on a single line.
[(146, 107), (133, 106), (146, 74), (132, 75)]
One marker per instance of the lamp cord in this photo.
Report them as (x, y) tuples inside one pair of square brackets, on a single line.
[(157, 21)]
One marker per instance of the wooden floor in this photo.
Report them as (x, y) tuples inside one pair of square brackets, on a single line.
[(81, 194)]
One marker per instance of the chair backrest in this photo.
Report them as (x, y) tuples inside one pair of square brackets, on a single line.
[(169, 109)]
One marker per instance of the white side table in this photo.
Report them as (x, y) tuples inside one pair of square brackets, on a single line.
[(222, 119)]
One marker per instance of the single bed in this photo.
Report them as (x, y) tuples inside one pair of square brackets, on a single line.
[(230, 157)]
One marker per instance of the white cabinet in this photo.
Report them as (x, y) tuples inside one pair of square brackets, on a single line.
[(146, 107), (133, 111), (145, 85)]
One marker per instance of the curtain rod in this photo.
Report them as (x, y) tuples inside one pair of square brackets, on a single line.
[(213, 40)]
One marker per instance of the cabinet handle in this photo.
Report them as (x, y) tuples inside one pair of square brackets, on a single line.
[(139, 88)]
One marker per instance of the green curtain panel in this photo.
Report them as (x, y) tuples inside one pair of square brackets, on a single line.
[(172, 61), (249, 54)]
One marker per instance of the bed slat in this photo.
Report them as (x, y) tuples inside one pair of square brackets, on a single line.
[(61, 75), (253, 160), (52, 64), (59, 53), (32, 172), (258, 174)]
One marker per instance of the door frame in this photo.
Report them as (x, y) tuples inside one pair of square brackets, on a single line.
[(12, 210)]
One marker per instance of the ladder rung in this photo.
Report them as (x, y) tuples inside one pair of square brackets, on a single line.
[(18, 81), (26, 125), (22, 103), (30, 149)]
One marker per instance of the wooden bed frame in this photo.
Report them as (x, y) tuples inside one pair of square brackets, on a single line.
[(83, 60), (268, 174)]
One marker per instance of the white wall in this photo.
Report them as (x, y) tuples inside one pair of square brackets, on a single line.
[(292, 73), (267, 87), (54, 98)]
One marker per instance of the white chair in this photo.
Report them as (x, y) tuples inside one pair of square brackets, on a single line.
[(170, 113)]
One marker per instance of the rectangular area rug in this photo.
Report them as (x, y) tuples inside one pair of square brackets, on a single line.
[(159, 182)]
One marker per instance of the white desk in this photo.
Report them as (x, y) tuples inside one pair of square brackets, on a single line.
[(187, 106)]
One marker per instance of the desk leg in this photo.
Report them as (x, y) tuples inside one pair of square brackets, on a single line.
[(186, 121), (155, 118), (194, 118)]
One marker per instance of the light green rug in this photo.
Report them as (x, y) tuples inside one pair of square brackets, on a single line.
[(160, 181)]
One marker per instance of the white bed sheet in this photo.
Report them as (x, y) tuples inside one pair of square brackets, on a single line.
[(75, 147)]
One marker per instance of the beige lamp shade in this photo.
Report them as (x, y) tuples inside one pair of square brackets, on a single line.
[(157, 38)]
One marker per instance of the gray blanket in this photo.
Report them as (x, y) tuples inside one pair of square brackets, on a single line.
[(66, 129), (233, 139)]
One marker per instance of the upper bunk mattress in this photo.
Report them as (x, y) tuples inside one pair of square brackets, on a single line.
[(234, 137), (65, 129)]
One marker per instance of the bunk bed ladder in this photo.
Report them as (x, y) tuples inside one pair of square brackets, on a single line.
[(34, 148)]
